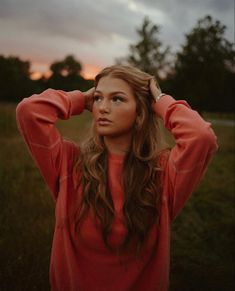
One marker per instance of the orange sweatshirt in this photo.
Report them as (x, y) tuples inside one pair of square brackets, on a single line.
[(81, 262)]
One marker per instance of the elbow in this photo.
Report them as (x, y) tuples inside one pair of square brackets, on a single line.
[(21, 109), (208, 139), (20, 112), (24, 110)]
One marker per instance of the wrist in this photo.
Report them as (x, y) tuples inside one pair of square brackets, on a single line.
[(159, 96), (162, 105), (88, 95), (77, 100)]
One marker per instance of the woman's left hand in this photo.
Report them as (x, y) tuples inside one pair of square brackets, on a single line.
[(89, 95)]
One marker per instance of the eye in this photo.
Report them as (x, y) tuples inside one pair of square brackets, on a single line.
[(96, 98), (117, 99)]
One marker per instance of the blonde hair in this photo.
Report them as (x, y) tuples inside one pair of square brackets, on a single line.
[(142, 201)]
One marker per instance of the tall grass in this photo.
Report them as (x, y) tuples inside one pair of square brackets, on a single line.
[(202, 236), (27, 210)]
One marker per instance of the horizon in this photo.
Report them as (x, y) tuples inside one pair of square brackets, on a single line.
[(97, 33)]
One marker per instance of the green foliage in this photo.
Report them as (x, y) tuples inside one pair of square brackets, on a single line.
[(202, 72), (204, 68), (16, 83), (67, 67), (15, 78), (147, 54), (66, 75)]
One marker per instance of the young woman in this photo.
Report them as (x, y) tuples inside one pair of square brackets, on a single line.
[(116, 195)]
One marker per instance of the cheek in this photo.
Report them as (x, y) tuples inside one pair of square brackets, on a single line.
[(128, 117), (94, 111), (131, 114)]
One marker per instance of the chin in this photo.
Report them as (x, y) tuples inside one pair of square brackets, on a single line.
[(106, 133)]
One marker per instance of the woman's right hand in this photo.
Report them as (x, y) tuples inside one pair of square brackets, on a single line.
[(89, 95), (154, 88)]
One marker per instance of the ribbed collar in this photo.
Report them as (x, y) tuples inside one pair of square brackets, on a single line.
[(116, 157)]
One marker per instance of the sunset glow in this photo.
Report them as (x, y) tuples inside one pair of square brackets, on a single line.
[(41, 69), (98, 40), (90, 71), (35, 75)]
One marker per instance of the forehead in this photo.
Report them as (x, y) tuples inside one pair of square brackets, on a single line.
[(108, 84)]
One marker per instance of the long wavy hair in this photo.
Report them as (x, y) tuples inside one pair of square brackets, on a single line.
[(142, 200)]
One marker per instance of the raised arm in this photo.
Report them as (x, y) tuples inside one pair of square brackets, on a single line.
[(189, 158), (36, 118)]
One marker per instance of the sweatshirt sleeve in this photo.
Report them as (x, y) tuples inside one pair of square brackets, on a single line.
[(36, 117), (189, 158)]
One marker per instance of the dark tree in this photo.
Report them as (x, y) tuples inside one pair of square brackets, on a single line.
[(148, 54), (67, 67), (66, 75), (205, 67), (15, 79)]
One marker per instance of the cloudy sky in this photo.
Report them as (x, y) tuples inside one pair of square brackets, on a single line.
[(97, 32)]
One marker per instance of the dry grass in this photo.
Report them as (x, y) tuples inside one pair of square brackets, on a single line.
[(203, 235)]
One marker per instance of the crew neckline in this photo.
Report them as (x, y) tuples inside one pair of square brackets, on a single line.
[(116, 157)]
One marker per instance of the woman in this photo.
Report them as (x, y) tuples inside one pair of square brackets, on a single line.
[(117, 194)]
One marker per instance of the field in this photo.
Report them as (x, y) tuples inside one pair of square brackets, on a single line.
[(203, 237)]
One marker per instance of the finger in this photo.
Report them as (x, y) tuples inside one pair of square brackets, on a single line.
[(153, 88), (91, 91)]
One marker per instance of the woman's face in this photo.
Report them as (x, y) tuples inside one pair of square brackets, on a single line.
[(114, 107)]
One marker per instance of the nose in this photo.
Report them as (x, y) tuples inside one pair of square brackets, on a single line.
[(104, 107)]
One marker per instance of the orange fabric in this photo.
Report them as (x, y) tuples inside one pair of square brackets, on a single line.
[(82, 262)]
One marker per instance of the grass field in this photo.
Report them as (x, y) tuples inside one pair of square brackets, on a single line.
[(202, 254)]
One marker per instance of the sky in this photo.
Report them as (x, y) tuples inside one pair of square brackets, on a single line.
[(97, 32)]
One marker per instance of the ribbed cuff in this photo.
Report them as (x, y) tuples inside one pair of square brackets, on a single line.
[(77, 102), (161, 106)]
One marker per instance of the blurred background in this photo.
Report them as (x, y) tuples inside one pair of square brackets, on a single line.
[(189, 47)]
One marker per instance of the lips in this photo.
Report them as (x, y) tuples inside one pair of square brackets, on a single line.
[(104, 121)]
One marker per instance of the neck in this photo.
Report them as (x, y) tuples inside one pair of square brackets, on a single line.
[(118, 145)]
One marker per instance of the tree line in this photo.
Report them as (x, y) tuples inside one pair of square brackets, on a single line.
[(202, 71)]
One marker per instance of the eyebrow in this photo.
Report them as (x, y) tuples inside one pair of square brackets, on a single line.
[(112, 93)]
